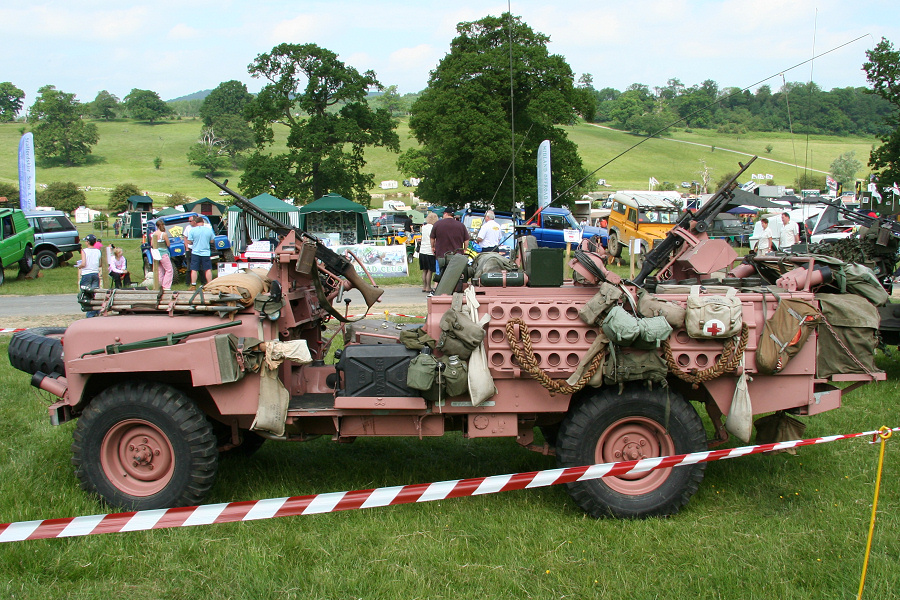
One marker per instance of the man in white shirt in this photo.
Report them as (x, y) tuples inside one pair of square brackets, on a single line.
[(790, 233), (489, 234)]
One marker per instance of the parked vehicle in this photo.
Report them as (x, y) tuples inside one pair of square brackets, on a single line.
[(16, 241), (731, 229), (55, 237), (641, 217), (551, 223), (473, 219), (161, 388)]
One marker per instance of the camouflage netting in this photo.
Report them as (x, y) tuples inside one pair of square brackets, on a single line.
[(863, 250)]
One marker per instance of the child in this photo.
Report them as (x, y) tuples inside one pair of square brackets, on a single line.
[(118, 267)]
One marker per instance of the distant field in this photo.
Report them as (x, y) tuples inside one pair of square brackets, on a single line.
[(127, 149)]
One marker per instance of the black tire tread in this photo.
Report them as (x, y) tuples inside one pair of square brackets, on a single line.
[(157, 402), (35, 350), (570, 450)]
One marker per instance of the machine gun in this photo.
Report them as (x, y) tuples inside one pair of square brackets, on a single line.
[(332, 261), (697, 222), (884, 226)]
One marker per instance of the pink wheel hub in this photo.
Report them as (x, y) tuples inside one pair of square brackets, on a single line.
[(137, 457), (635, 438)]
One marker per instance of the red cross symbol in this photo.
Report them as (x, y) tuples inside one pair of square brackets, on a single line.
[(712, 328)]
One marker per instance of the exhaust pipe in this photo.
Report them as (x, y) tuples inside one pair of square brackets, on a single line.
[(55, 385)]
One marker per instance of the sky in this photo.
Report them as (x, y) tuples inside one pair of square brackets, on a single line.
[(177, 47)]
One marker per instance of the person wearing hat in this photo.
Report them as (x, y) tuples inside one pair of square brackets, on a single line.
[(90, 266)]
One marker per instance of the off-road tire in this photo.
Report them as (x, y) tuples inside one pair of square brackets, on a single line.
[(47, 259), (27, 261), (639, 423), (613, 247), (38, 349), (149, 422)]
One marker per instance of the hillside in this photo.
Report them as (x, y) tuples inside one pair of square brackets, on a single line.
[(127, 149)]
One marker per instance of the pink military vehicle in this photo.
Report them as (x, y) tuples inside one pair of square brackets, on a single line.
[(163, 382)]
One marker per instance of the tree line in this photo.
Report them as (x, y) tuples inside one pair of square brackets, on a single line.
[(470, 121)]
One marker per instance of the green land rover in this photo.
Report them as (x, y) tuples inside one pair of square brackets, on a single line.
[(16, 241)]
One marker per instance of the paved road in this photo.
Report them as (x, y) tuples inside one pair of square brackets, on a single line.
[(66, 304)]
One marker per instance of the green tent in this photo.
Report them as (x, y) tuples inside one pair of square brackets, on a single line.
[(168, 211), (336, 218), (281, 210)]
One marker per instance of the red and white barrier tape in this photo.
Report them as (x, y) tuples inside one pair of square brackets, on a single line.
[(387, 496), (10, 330)]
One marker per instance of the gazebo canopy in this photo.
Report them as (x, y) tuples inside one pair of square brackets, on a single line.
[(279, 209), (205, 206), (168, 211), (334, 217)]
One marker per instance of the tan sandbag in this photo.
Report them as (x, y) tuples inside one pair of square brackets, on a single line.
[(247, 285)]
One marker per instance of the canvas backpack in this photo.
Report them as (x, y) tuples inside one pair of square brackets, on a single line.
[(459, 333), (711, 317), (784, 334), (651, 306), (596, 308)]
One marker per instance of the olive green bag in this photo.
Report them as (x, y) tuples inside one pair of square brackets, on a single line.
[(421, 372), (622, 367), (460, 335)]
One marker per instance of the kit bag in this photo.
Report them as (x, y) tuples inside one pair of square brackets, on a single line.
[(651, 306), (459, 333), (622, 367), (492, 262), (594, 309), (784, 334), (713, 317), (621, 327), (421, 372), (848, 338), (861, 280), (653, 332), (455, 376)]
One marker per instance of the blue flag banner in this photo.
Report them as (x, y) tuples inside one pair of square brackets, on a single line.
[(26, 172), (543, 174)]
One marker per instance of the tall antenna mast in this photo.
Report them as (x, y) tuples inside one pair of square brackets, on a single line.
[(512, 106)]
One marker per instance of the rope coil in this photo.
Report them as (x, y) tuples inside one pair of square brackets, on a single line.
[(526, 359), (728, 361)]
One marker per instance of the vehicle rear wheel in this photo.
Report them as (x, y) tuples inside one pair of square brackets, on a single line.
[(640, 423), (144, 445), (27, 261), (47, 259), (613, 246), (38, 349)]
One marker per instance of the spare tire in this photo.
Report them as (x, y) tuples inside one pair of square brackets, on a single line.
[(38, 349)]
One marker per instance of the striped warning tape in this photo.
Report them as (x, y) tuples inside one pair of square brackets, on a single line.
[(10, 330), (387, 496)]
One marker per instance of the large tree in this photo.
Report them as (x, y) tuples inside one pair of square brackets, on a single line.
[(59, 132), (236, 135), (104, 106), (883, 72), (845, 167), (464, 118), (208, 153), (11, 99), (146, 105), (323, 103), (118, 198), (62, 195), (229, 98)]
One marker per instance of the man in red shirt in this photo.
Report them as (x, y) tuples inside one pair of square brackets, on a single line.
[(448, 235)]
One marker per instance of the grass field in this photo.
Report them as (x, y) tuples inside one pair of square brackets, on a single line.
[(761, 527), (127, 150)]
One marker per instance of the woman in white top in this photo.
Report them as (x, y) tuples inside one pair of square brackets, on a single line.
[(427, 261), (90, 267)]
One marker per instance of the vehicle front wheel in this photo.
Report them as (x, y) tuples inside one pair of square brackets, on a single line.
[(143, 445), (613, 246), (47, 259), (637, 424), (2, 273)]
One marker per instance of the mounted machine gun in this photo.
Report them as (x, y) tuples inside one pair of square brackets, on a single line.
[(331, 262), (684, 253)]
